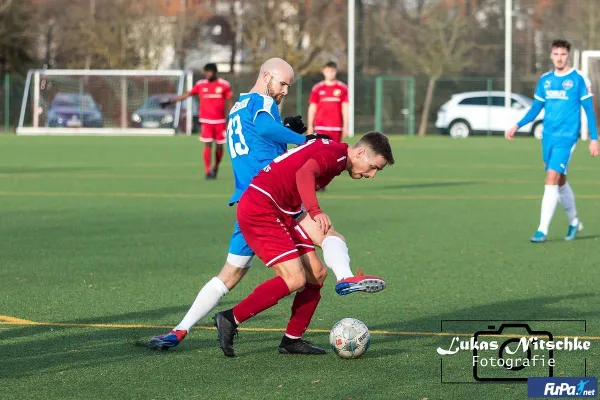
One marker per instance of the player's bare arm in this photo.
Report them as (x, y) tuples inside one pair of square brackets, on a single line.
[(533, 112), (177, 98), (510, 134), (228, 105), (588, 108), (594, 148), (312, 110), (344, 120)]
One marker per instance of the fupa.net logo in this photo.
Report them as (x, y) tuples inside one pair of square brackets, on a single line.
[(574, 387)]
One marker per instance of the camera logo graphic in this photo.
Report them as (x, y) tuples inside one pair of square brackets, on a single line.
[(513, 355)]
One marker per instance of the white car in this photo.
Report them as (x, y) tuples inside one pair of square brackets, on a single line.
[(470, 112)]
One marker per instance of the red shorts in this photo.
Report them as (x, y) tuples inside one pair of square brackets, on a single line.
[(336, 136), (273, 235), (213, 133)]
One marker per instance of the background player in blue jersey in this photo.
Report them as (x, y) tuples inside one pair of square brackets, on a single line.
[(561, 93), (256, 136)]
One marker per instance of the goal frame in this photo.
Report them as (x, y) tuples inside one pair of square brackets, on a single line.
[(186, 80), (585, 58)]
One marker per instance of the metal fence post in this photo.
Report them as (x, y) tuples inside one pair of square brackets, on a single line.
[(411, 105), (299, 96), (379, 103), (6, 101), (490, 87), (145, 90)]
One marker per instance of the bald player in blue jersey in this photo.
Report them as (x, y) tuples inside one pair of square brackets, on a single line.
[(562, 93), (256, 136)]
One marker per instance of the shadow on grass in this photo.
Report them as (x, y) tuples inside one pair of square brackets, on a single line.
[(41, 170), (538, 308), (35, 349), (430, 185)]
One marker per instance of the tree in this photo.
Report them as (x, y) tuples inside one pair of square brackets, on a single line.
[(433, 41), (17, 35), (115, 34), (302, 32)]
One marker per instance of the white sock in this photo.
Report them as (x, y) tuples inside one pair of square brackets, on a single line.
[(549, 202), (567, 199), (207, 299), (335, 255)]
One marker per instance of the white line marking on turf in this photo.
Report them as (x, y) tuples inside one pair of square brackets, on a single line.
[(324, 196), (7, 320)]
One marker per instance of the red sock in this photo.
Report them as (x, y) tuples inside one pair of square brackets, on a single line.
[(207, 153), (266, 295), (218, 156), (303, 308)]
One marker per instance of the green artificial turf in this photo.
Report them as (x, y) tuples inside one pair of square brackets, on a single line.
[(123, 232)]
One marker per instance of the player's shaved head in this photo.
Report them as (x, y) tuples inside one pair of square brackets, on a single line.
[(277, 66), (274, 79)]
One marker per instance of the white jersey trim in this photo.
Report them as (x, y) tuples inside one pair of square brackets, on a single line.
[(539, 98), (328, 128), (268, 103), (586, 97), (273, 200), (212, 121), (279, 256)]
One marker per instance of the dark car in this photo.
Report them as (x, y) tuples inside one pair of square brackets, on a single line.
[(74, 110), (152, 115)]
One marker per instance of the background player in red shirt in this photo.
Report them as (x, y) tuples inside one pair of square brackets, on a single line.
[(328, 106), (266, 218), (216, 100)]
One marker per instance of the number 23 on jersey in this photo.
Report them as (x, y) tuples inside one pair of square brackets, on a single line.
[(239, 146)]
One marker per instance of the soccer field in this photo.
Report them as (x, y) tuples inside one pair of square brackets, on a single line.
[(105, 242)]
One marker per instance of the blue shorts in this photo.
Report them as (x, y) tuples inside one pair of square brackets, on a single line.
[(557, 155), (240, 254)]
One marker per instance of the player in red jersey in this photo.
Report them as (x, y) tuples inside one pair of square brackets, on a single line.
[(266, 218), (215, 97), (328, 108)]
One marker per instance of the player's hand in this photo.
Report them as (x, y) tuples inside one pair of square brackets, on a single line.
[(510, 134), (594, 148), (295, 124), (318, 136), (164, 104), (310, 130), (323, 222), (344, 133)]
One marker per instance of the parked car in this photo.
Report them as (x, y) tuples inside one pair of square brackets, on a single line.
[(74, 110), (479, 112), (152, 115)]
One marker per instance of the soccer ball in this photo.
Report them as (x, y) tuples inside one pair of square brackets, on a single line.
[(349, 338)]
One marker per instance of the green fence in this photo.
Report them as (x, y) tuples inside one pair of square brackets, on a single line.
[(391, 104), (11, 96)]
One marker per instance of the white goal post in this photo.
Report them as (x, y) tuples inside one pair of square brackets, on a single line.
[(106, 102), (590, 66)]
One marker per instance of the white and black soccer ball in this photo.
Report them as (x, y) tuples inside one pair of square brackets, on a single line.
[(350, 338)]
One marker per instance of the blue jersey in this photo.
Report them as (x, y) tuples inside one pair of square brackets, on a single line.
[(562, 96), (250, 152)]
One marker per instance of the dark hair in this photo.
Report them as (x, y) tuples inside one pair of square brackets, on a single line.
[(379, 144), (331, 64), (561, 43), (210, 67)]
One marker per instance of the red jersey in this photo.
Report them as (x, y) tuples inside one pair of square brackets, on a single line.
[(212, 99), (278, 179), (329, 99)]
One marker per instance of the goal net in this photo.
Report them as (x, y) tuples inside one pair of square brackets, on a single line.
[(105, 102), (590, 66)]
